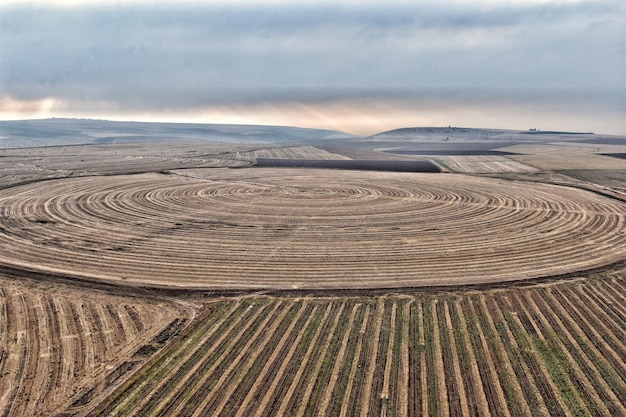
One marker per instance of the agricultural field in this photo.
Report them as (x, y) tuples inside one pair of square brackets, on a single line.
[(60, 344), (296, 152), (280, 228), (552, 349), (483, 164), (559, 156), (142, 275), (35, 164)]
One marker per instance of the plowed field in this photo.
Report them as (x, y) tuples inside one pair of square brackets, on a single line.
[(543, 350), (63, 346), (282, 228)]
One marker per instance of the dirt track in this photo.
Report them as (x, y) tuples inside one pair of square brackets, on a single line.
[(307, 229)]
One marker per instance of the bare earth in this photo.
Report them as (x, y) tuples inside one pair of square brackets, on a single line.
[(289, 228)]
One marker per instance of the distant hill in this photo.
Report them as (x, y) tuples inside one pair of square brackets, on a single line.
[(464, 133), (456, 141), (439, 133), (56, 132)]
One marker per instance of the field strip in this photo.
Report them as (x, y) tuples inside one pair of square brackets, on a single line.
[(525, 377), (102, 319), (514, 394), (47, 356), (320, 361), (353, 369), (369, 380), (340, 358), (241, 365), (601, 323), (463, 358), (619, 292), (124, 319), (423, 376), (531, 350), (68, 342), (16, 309), (593, 345), (88, 335), (440, 375), (455, 363), (194, 388), (603, 340), (4, 330), (268, 396), (498, 397), (305, 362), (404, 372), (30, 360), (610, 307), (275, 353), (52, 355), (184, 376), (571, 348), (560, 376), (254, 381), (550, 392), (590, 355), (384, 395), (476, 382)]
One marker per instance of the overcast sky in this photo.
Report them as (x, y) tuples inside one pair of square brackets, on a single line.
[(354, 66)]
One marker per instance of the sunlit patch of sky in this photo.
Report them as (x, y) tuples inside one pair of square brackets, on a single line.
[(354, 66)]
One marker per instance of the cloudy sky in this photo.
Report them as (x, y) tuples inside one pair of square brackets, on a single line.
[(357, 66)]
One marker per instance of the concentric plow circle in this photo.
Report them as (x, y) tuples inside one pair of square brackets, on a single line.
[(285, 228)]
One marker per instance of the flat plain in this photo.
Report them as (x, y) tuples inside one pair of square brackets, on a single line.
[(164, 277)]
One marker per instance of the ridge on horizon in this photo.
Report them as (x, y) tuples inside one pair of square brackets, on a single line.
[(398, 130)]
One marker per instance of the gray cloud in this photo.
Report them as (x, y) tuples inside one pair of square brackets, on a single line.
[(176, 57)]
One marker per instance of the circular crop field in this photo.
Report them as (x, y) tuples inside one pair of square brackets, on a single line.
[(309, 228)]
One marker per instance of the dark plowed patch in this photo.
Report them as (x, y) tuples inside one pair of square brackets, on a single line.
[(452, 152), (615, 155), (396, 166)]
